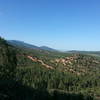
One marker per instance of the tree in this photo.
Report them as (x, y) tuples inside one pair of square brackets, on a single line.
[(7, 60)]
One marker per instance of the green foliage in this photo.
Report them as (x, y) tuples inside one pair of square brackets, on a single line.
[(32, 81), (7, 60), (11, 90)]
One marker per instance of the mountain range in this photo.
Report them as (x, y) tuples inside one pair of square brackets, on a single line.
[(29, 46)]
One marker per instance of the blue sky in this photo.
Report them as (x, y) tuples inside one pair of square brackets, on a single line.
[(60, 24)]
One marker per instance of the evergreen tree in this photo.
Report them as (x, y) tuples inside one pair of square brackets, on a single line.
[(7, 61)]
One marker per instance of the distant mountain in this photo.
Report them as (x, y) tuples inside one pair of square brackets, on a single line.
[(47, 48), (22, 44), (91, 53), (84, 52), (77, 51)]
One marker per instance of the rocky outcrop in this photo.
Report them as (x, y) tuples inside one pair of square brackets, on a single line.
[(34, 59)]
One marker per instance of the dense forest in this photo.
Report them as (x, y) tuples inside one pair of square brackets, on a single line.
[(28, 74)]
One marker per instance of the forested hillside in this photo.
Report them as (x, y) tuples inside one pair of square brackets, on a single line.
[(27, 74), (8, 60)]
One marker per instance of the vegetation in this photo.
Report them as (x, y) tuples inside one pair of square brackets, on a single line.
[(7, 60), (73, 77)]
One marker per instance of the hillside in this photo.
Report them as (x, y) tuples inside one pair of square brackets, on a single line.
[(82, 69), (91, 53), (8, 61), (48, 48), (54, 75)]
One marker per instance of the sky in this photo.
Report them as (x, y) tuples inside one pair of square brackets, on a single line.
[(60, 24)]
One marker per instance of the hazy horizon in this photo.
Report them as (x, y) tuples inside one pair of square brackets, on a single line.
[(62, 50), (59, 24)]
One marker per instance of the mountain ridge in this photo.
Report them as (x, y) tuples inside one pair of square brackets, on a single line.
[(23, 44)]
